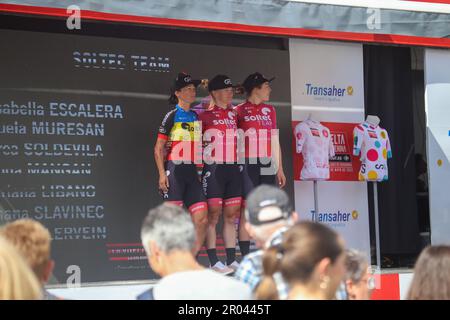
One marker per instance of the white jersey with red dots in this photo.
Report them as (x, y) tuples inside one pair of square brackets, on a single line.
[(313, 140), (372, 143)]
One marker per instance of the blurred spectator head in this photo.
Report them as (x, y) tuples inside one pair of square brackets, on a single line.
[(311, 259), (32, 240), (431, 280), (17, 281), (358, 277), (167, 229), (267, 210)]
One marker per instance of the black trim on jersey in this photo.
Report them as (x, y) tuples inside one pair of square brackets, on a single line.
[(167, 122)]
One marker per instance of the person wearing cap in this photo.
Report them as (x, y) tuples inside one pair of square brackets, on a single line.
[(257, 125), (221, 176), (180, 132), (268, 215)]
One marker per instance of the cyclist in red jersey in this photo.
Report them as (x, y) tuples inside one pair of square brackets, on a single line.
[(257, 120), (221, 176), (180, 132)]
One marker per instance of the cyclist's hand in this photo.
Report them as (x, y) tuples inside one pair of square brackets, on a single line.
[(164, 183), (281, 178)]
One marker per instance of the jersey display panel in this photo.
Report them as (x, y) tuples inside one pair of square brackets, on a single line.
[(372, 143), (313, 141)]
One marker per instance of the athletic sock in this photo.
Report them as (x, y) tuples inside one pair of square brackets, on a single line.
[(212, 255), (231, 255), (245, 247)]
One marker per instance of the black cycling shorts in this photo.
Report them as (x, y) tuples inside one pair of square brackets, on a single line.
[(222, 184), (184, 186), (255, 174)]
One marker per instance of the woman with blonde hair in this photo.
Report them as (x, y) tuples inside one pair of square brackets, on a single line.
[(17, 281), (221, 176)]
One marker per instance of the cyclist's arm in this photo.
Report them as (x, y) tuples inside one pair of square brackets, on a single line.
[(159, 155)]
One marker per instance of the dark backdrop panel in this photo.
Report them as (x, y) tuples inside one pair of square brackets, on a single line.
[(388, 94), (99, 231)]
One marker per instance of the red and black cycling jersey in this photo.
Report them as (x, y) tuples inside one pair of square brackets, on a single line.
[(257, 122), (182, 131), (219, 127)]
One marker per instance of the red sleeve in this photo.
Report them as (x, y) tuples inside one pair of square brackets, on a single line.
[(203, 118), (162, 136), (273, 115), (237, 110)]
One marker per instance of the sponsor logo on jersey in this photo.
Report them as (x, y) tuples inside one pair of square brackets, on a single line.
[(265, 111), (205, 181), (224, 121), (187, 127), (315, 132), (372, 134), (257, 117)]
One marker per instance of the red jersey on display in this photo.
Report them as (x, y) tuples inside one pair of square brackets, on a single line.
[(257, 122), (219, 134)]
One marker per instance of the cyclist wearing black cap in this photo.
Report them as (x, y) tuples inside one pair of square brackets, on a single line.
[(180, 132), (221, 177), (258, 122)]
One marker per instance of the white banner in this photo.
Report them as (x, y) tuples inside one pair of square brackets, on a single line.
[(327, 83), (437, 108)]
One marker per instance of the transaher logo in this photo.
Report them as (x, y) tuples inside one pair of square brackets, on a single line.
[(332, 90), (350, 90), (335, 217)]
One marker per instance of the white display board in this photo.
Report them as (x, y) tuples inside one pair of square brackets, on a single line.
[(437, 108), (327, 83)]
